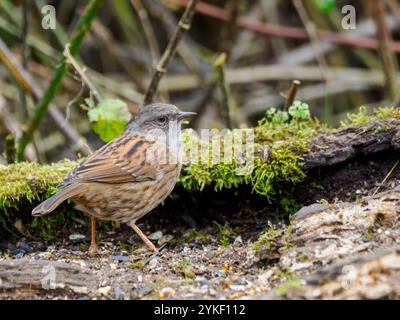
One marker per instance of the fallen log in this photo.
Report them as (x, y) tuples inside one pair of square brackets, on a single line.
[(332, 148), (285, 155)]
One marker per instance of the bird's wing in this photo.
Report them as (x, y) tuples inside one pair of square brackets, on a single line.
[(120, 161)]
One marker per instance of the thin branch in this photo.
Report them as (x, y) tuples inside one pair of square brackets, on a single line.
[(150, 37), (229, 31), (58, 32), (389, 63), (225, 47), (10, 148), (13, 127), (292, 94), (286, 32), (386, 177), (183, 26), (41, 108), (26, 82), (148, 29), (395, 7), (187, 49), (313, 34), (24, 34), (220, 66), (257, 73), (82, 72)]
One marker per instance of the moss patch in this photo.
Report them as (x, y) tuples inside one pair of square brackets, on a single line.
[(22, 185), (278, 153), (30, 182)]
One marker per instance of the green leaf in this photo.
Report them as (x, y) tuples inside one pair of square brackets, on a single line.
[(325, 6), (109, 118), (277, 116), (90, 102), (299, 110)]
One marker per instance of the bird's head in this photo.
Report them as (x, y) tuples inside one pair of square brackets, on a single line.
[(158, 119)]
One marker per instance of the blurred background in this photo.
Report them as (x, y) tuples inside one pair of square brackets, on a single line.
[(344, 53)]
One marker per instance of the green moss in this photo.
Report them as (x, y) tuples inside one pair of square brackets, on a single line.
[(293, 282), (359, 118), (273, 239), (139, 264), (22, 185), (387, 113), (369, 235), (278, 148), (184, 267), (225, 233), (268, 240), (181, 264), (30, 182), (362, 117)]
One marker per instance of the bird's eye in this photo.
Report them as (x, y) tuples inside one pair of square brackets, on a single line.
[(162, 119)]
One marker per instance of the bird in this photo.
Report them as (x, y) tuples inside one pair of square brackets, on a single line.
[(129, 176)]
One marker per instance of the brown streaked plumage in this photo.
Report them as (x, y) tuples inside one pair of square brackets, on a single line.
[(129, 176)]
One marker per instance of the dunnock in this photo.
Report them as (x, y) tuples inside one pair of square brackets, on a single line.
[(129, 176)]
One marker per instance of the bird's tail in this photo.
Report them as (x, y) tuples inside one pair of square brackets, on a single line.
[(53, 202)]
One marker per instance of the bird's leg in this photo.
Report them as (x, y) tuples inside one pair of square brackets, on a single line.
[(93, 245), (143, 236)]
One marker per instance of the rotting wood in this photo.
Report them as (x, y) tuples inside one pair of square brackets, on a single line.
[(345, 144)]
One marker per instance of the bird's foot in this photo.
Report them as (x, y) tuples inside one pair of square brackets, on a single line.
[(93, 249)]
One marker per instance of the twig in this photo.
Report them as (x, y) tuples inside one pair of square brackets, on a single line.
[(82, 72), (256, 73), (187, 49), (292, 94), (58, 32), (62, 39), (13, 127), (389, 63), (245, 39), (286, 32), (105, 36), (387, 177), (258, 102), (22, 93), (219, 65), (225, 47), (230, 28), (150, 37), (10, 148), (24, 34), (313, 34), (183, 26), (41, 108), (148, 29), (25, 81), (270, 13), (395, 7)]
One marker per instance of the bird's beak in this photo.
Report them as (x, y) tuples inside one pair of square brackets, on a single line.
[(183, 115)]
